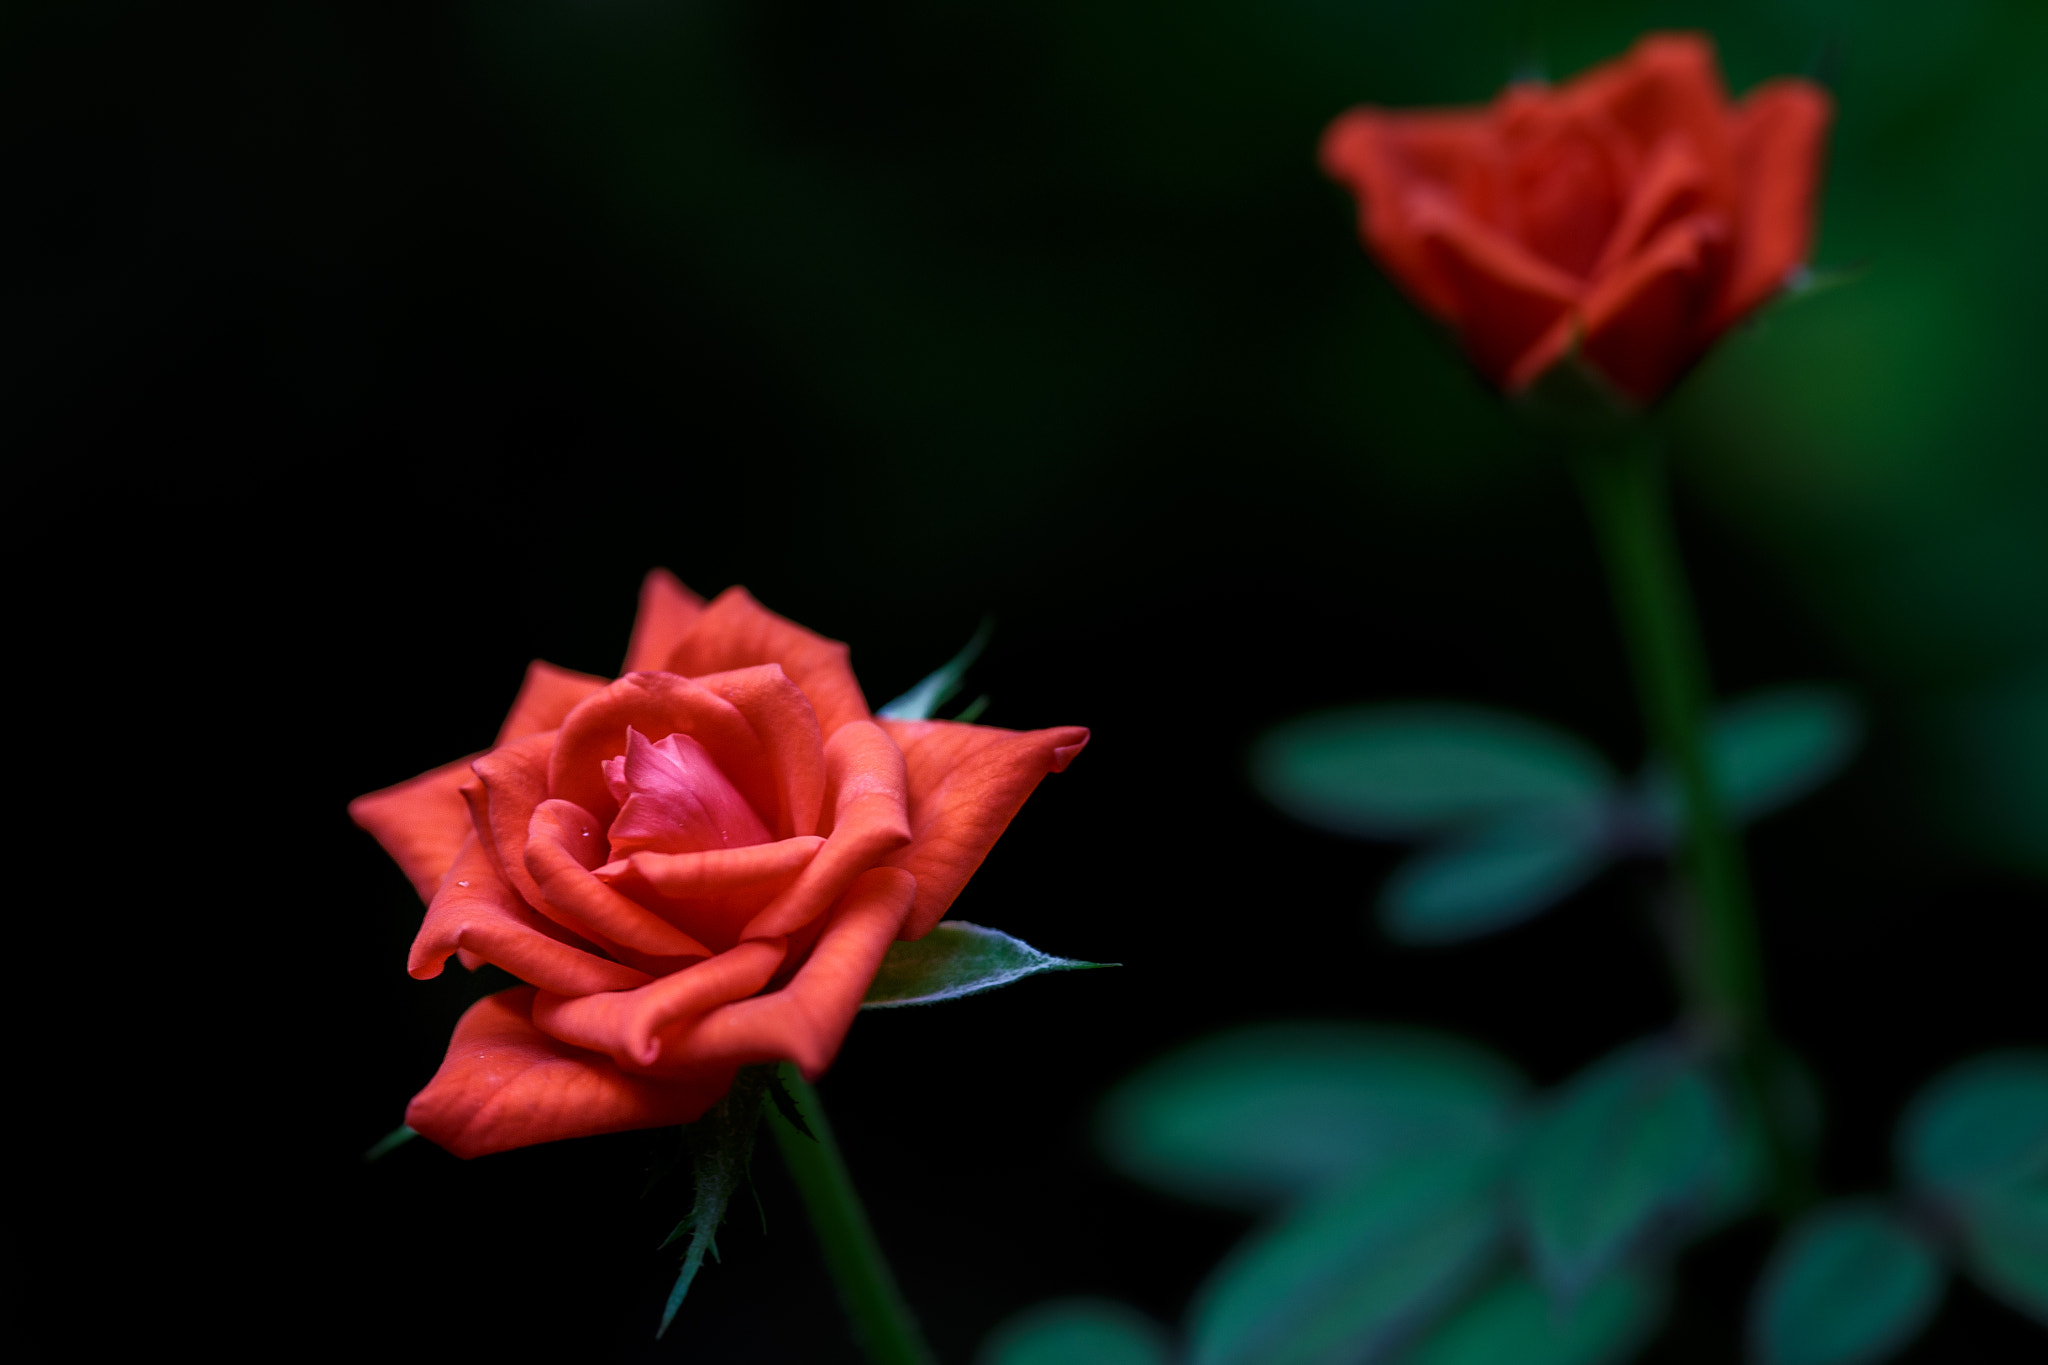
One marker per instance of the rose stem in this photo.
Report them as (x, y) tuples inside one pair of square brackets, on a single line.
[(1716, 954), (880, 1318)]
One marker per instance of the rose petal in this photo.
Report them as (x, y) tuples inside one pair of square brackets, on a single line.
[(1507, 298), (1667, 86), (510, 781), (805, 1021), (545, 697), (667, 612), (564, 843), (1379, 156), (657, 705), (422, 823), (673, 798), (787, 725), (735, 632), (712, 895), (506, 1084), (623, 1023), (966, 783), (868, 793), (1780, 137), (478, 914), (1670, 188), (1644, 324)]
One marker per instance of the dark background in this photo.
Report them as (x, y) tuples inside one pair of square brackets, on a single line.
[(355, 354)]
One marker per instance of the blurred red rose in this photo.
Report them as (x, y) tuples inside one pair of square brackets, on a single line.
[(694, 868), (1633, 213)]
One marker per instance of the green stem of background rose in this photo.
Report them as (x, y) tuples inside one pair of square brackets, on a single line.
[(881, 1320), (1718, 958)]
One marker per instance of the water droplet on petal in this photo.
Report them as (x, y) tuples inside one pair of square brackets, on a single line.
[(462, 883)]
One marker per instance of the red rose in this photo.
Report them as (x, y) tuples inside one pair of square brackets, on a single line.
[(694, 868), (1633, 213)]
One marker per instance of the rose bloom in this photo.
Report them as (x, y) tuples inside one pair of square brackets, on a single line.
[(694, 868), (1632, 214)]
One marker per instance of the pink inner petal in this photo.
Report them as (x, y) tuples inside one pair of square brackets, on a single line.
[(673, 799)]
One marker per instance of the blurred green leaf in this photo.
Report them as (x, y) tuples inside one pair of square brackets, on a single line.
[(1076, 1332), (957, 959), (1767, 750), (1498, 875), (2005, 1244), (1515, 1320), (938, 686), (1396, 771), (1622, 1149), (1849, 1284), (1978, 1125), (1349, 1275), (1261, 1115)]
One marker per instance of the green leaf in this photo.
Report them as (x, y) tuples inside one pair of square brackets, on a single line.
[(1077, 1332), (1767, 750), (938, 686), (720, 1145), (1622, 1151), (1348, 1276), (1517, 1321), (390, 1142), (1981, 1124), (1258, 1116), (957, 959), (2005, 1244), (1850, 1284), (1495, 876), (1400, 771)]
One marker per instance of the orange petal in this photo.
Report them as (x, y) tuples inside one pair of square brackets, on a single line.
[(564, 843), (506, 1084), (477, 914), (510, 781), (868, 792), (787, 726), (714, 894), (657, 705), (422, 823), (966, 782), (545, 697), (735, 631), (667, 612), (1672, 187), (1780, 139), (624, 1023), (805, 1021)]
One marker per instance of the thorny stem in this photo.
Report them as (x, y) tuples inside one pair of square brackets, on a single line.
[(1719, 962), (882, 1321)]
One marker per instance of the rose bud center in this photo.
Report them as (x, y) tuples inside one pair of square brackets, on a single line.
[(673, 799)]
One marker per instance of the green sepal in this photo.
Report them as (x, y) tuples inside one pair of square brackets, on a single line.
[(390, 1142), (957, 959), (720, 1146), (938, 686), (786, 1105)]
